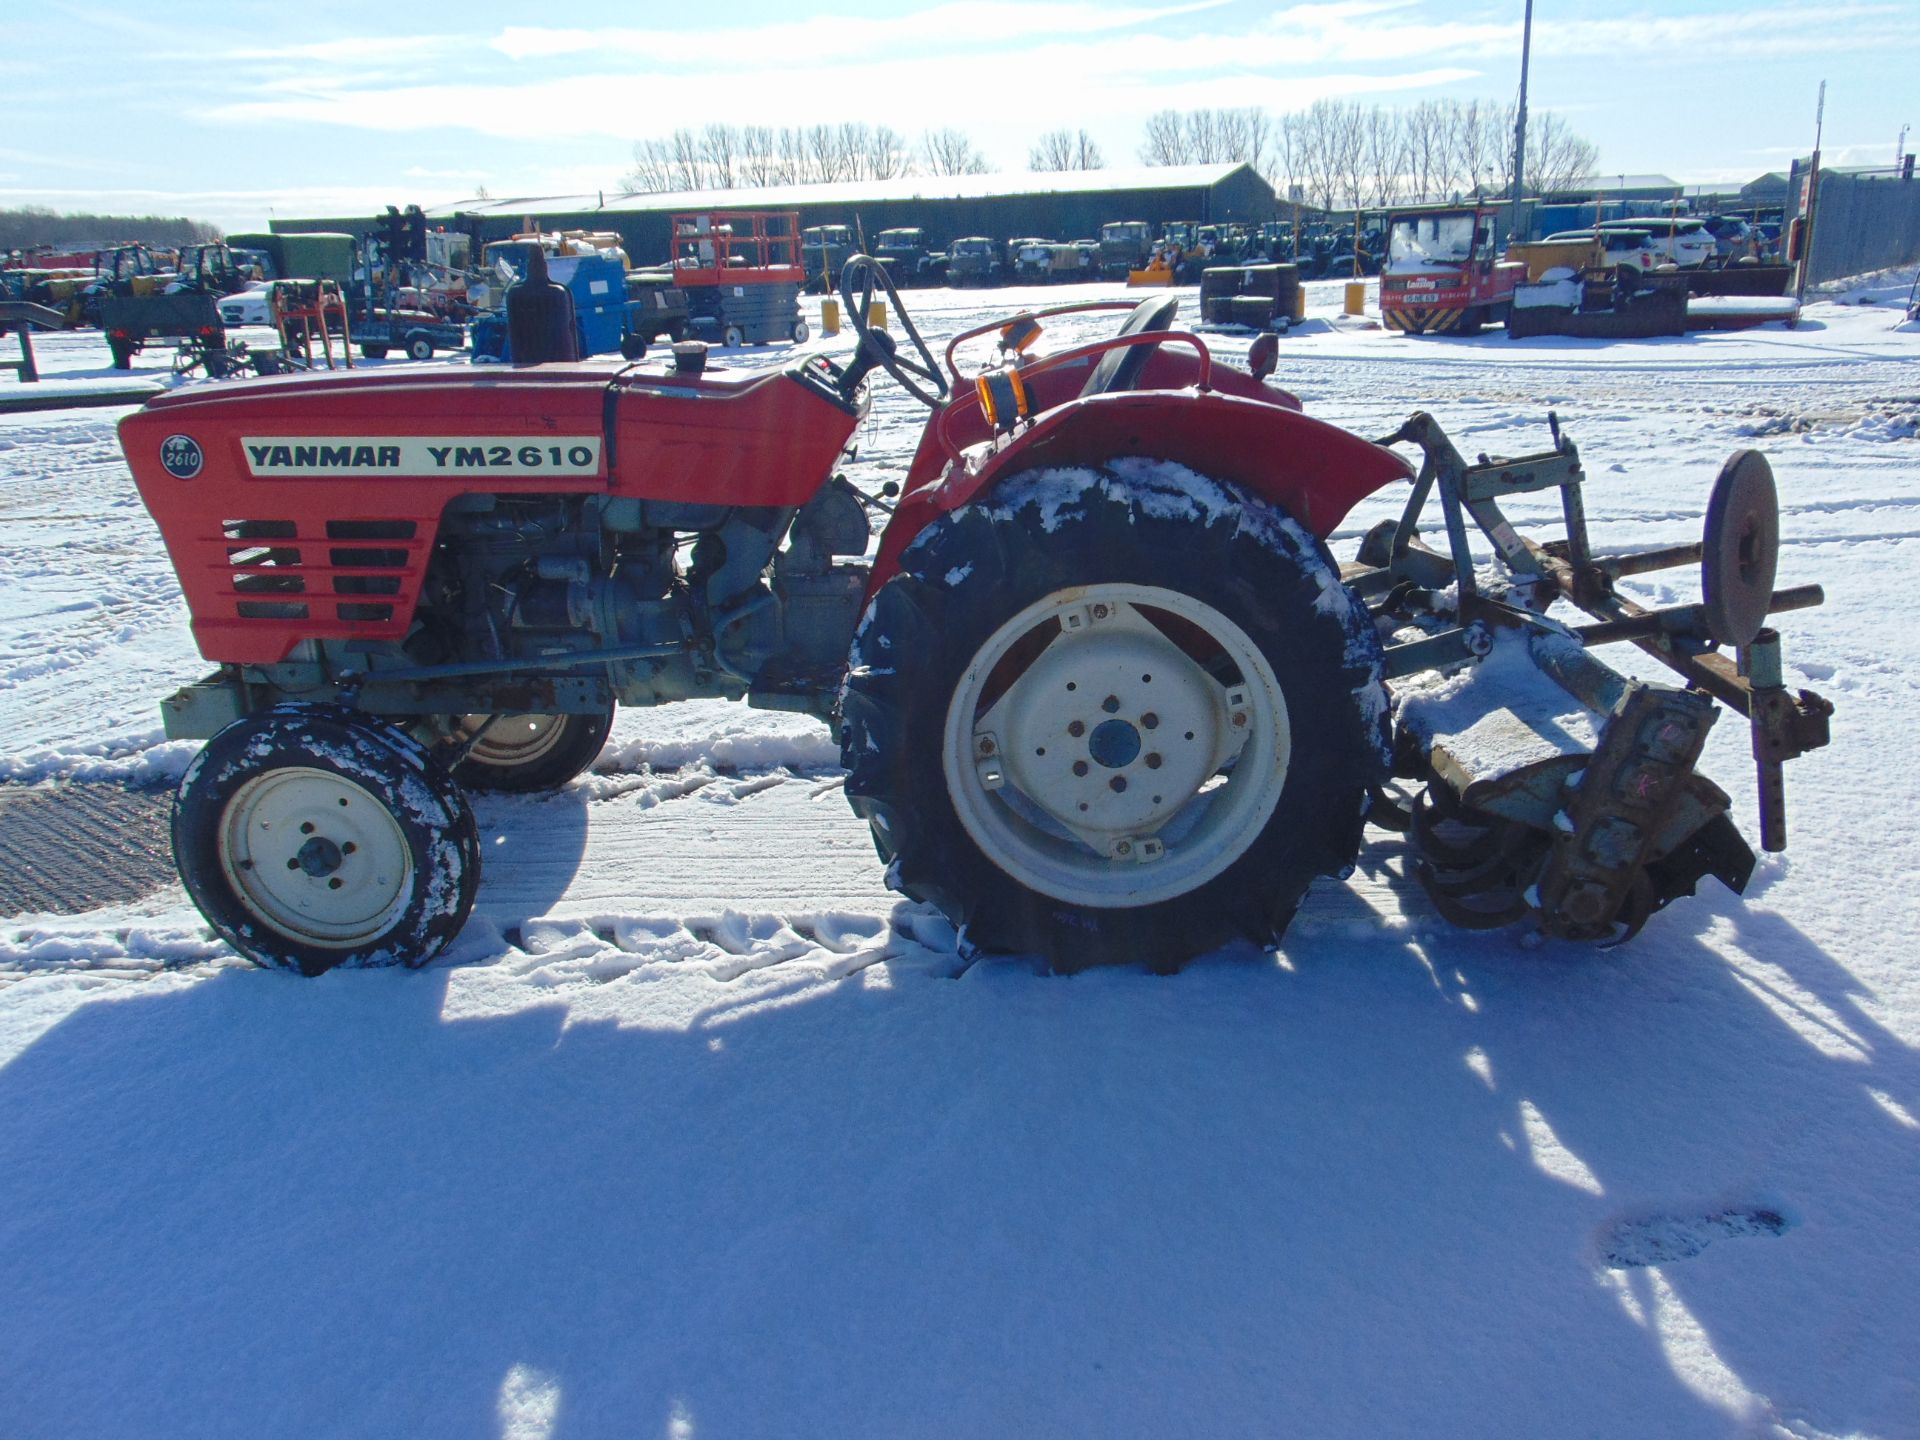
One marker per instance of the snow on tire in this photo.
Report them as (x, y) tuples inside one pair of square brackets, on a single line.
[(1114, 715), (312, 836)]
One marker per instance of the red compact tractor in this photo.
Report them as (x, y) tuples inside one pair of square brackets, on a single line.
[(1103, 694)]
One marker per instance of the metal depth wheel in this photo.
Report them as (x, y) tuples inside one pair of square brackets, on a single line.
[(959, 681), (312, 836), (527, 753)]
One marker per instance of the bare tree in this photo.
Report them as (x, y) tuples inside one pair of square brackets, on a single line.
[(759, 161), (1066, 150), (719, 148), (649, 174), (1350, 152), (951, 152), (1165, 140), (886, 154), (1386, 154), (1557, 158)]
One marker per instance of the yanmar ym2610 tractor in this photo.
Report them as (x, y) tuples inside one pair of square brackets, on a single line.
[(1102, 694)]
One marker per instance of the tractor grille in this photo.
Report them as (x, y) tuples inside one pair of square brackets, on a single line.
[(343, 577)]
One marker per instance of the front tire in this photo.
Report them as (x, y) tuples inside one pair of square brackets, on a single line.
[(419, 347), (311, 836), (1113, 716)]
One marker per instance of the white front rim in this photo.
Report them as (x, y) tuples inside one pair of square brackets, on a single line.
[(1116, 745), (511, 740), (316, 856)]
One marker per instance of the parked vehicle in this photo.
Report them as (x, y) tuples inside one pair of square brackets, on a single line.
[(125, 270), (1677, 240), (1619, 248), (974, 260), (905, 254), (1102, 692), (1124, 245), (1443, 275), (742, 275), (823, 250)]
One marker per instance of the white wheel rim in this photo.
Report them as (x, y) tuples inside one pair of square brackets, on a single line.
[(1110, 769), (512, 740), (316, 856)]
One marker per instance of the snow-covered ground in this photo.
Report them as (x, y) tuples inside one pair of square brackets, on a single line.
[(699, 1132)]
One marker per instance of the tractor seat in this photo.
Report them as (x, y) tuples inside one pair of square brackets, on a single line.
[(1121, 369)]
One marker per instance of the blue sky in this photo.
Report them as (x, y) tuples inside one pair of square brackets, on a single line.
[(235, 111)]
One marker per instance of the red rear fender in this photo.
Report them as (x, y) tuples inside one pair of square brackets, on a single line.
[(1314, 471)]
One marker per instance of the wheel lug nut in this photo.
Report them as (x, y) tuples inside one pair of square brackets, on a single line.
[(1099, 612), (293, 864), (1149, 721), (1240, 720), (1117, 784), (1110, 704), (986, 745), (306, 827), (1079, 767), (1076, 729), (347, 849), (1153, 761), (333, 884)]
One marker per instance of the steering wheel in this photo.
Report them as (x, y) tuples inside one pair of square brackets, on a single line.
[(877, 346), (1121, 369)]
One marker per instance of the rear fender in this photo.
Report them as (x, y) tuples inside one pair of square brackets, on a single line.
[(1313, 471)]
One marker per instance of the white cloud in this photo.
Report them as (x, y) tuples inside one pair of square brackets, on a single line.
[(833, 37)]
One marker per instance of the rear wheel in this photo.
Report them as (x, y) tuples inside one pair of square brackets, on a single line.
[(1114, 716), (374, 352), (527, 753), (419, 347), (734, 337), (310, 836)]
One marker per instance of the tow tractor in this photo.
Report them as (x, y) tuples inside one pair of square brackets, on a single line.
[(1102, 692), (1443, 274)]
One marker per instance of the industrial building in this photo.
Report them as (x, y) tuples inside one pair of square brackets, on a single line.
[(1059, 205)]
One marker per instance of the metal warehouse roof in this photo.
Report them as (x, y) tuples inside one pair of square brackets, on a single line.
[(907, 187)]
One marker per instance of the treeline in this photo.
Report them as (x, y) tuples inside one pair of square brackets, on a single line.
[(729, 157), (1341, 154), (32, 225), (1335, 154)]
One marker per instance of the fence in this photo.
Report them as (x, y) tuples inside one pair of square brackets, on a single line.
[(1864, 222)]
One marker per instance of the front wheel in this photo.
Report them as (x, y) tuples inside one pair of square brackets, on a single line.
[(1116, 715), (802, 332), (419, 347), (311, 836), (734, 337), (374, 352)]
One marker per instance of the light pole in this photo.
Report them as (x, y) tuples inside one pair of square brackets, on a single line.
[(1520, 126)]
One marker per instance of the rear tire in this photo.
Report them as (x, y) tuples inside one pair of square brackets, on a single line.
[(526, 754), (374, 352), (734, 337), (992, 632), (419, 347), (312, 836)]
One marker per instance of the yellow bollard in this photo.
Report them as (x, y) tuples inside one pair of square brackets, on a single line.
[(829, 316), (1299, 303), (877, 315), (1356, 297)]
